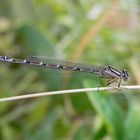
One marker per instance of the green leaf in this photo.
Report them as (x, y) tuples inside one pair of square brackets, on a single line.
[(46, 131), (34, 41), (132, 123), (7, 132), (109, 111)]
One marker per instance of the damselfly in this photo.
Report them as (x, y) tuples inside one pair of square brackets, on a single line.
[(107, 72)]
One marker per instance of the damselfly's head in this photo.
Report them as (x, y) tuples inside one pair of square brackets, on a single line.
[(125, 75)]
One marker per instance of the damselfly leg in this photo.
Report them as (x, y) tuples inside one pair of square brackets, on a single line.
[(114, 80)]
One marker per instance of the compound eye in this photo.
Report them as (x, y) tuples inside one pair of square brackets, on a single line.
[(125, 75)]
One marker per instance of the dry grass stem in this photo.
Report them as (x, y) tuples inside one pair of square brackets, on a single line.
[(68, 92)]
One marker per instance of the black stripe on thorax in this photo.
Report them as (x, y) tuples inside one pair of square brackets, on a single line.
[(118, 73)]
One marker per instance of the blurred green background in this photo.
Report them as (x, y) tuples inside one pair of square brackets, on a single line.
[(95, 32)]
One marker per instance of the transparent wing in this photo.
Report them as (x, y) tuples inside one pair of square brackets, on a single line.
[(49, 60), (58, 61)]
